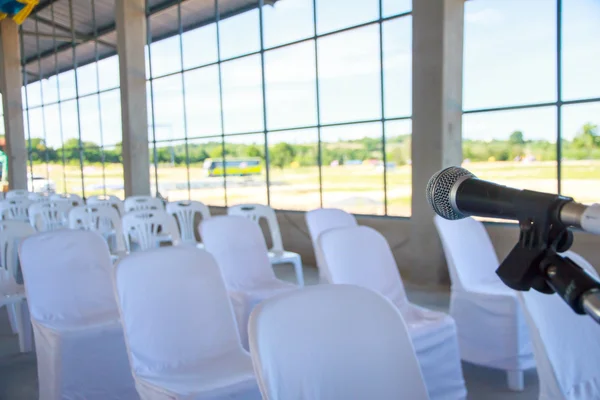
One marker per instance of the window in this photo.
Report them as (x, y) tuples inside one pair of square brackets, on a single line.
[(287, 21), (338, 14), (245, 185), (239, 34), (202, 101)]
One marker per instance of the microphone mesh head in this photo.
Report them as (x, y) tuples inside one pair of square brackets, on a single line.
[(439, 190)]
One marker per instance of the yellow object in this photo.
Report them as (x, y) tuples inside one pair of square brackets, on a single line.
[(24, 13), (233, 166), (3, 15)]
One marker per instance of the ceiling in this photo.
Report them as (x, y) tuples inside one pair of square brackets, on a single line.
[(49, 43)]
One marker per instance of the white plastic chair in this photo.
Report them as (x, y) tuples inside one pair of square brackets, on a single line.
[(181, 340), (139, 203), (108, 200), (101, 219), (49, 216), (185, 212), (17, 194), (277, 255), (361, 256), (79, 341), (148, 228), (355, 345), (492, 331), (566, 345), (38, 198), (74, 199), (239, 247), (12, 294), (16, 208), (321, 220)]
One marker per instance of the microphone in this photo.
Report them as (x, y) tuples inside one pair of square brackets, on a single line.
[(455, 193)]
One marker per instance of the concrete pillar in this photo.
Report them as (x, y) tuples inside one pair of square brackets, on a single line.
[(10, 86), (130, 18), (437, 113)]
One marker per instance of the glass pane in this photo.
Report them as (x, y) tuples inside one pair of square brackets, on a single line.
[(37, 135), (108, 71), (393, 7), (581, 49), (287, 21), (291, 88), (239, 34), (113, 167), (166, 56), (203, 110), (509, 53), (245, 168), (353, 168), (581, 152), (53, 127), (168, 108), (338, 14), (111, 117), (397, 67), (93, 170), (172, 170), (200, 46), (150, 108), (294, 170), (205, 188), (399, 170), (242, 95), (349, 74), (87, 80), (90, 121), (50, 90), (34, 94), (70, 148), (66, 81), (515, 148)]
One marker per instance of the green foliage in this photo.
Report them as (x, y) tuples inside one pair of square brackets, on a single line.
[(282, 155)]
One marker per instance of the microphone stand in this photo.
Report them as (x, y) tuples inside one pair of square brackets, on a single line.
[(534, 262)]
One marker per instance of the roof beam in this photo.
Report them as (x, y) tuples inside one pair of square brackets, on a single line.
[(78, 35), (51, 36)]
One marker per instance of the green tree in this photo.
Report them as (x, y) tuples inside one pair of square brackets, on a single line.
[(282, 154), (516, 138), (587, 137), (253, 151)]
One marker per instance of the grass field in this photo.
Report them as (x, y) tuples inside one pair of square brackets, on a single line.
[(357, 189)]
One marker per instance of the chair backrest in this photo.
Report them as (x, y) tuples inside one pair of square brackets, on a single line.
[(361, 256), (101, 219), (185, 212), (17, 194), (68, 277), (177, 294), (353, 344), (321, 220), (108, 200), (74, 199), (16, 208), (11, 232), (239, 247), (566, 345), (139, 203), (146, 227), (255, 212), (38, 198), (470, 254), (49, 216)]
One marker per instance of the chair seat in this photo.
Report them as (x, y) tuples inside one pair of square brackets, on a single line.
[(282, 257), (230, 376)]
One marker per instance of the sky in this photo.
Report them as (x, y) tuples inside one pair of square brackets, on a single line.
[(509, 60)]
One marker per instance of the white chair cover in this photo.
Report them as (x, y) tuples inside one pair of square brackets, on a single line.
[(491, 326), (101, 219), (139, 203), (147, 228), (182, 340), (321, 220), (185, 212), (16, 208), (109, 200), (361, 256), (239, 247), (49, 216), (12, 294), (79, 342), (17, 194), (277, 254), (566, 345), (331, 342), (74, 199)]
